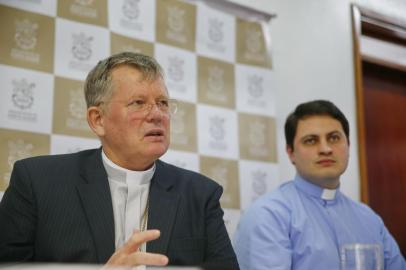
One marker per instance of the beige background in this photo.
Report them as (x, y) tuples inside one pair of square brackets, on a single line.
[(251, 47), (224, 172), (27, 39), (216, 82), (70, 109), (183, 128), (176, 24), (93, 12), (17, 145), (121, 43), (257, 137)]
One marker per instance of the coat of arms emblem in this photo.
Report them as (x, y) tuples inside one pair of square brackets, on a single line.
[(26, 34)]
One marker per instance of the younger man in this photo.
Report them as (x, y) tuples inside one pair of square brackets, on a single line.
[(305, 222)]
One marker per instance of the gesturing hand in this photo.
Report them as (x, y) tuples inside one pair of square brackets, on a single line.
[(130, 254)]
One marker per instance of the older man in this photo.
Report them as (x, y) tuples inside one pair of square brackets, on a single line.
[(95, 206), (306, 222)]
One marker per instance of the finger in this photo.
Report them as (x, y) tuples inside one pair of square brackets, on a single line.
[(117, 259), (145, 258), (138, 238)]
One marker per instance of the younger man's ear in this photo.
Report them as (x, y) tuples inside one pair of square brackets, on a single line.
[(289, 151)]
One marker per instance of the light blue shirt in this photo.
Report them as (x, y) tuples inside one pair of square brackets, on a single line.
[(302, 226)]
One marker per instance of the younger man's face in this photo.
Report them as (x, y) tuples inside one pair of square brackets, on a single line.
[(321, 150)]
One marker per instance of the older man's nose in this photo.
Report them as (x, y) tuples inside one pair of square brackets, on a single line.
[(154, 111)]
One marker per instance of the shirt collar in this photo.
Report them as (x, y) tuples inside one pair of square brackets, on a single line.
[(316, 191), (121, 174)]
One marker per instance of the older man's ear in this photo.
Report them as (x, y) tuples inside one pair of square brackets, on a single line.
[(95, 120)]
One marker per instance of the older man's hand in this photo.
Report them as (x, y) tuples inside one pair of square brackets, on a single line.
[(130, 254)]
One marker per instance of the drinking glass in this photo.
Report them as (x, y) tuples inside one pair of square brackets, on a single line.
[(361, 257)]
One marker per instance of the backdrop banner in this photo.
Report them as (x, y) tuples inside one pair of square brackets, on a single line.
[(217, 62)]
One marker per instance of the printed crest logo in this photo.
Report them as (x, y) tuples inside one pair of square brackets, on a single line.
[(253, 40), (26, 34), (257, 134), (23, 96), (130, 9), (178, 122), (255, 87), (130, 48), (84, 2), (219, 173), (81, 48), (76, 118), (217, 130), (17, 150), (84, 8), (176, 20), (175, 70), (259, 186), (215, 81), (215, 30), (77, 104)]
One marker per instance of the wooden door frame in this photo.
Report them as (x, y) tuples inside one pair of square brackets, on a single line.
[(369, 23)]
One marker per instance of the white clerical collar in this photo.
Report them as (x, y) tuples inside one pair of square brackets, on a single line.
[(121, 174), (328, 194), (314, 190)]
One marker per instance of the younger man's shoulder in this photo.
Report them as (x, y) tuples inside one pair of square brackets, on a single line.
[(281, 200), (362, 210)]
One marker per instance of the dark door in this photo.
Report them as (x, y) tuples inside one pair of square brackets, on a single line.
[(384, 93)]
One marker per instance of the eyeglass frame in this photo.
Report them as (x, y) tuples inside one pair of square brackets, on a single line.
[(147, 107)]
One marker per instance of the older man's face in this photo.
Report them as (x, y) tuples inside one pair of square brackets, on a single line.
[(320, 150), (131, 138)]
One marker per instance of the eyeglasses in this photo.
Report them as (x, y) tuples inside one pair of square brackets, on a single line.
[(167, 106)]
